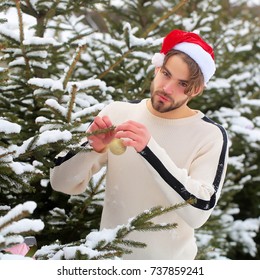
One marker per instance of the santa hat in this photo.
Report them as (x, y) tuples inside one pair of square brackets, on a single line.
[(191, 44)]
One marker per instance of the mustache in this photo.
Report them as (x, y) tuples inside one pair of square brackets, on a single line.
[(163, 93)]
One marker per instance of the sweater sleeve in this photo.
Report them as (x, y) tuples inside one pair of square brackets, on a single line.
[(202, 183), (73, 172)]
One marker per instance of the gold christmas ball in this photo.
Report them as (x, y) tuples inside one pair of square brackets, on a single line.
[(116, 146)]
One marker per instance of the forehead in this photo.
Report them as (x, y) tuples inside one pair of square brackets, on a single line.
[(177, 67)]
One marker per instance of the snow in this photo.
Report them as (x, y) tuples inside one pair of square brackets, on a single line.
[(240, 77), (87, 111), (53, 136), (45, 137), (250, 3), (245, 231), (85, 84), (17, 62), (218, 83), (242, 231), (12, 24), (237, 161), (70, 252), (13, 225), (21, 167), (9, 224), (41, 54), (140, 42), (27, 206), (251, 102), (40, 41), (12, 35), (23, 225), (8, 127), (47, 83), (55, 105), (107, 235), (250, 134)]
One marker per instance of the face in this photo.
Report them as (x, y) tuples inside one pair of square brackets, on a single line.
[(169, 84)]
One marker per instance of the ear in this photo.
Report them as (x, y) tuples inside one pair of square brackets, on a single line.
[(197, 91)]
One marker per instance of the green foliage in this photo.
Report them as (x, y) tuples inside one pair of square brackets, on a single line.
[(57, 73), (12, 230), (101, 245)]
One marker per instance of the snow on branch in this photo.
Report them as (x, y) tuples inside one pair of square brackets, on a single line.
[(43, 138), (6, 32), (138, 42), (85, 84), (244, 233), (9, 127), (46, 83), (15, 224), (40, 41), (110, 243)]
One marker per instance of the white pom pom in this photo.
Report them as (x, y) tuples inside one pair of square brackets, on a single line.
[(157, 59)]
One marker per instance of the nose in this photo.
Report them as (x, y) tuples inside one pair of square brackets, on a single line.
[(169, 87)]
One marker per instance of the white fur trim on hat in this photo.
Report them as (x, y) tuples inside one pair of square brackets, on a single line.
[(200, 56), (157, 59)]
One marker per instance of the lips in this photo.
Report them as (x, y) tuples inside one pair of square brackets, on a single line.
[(163, 98)]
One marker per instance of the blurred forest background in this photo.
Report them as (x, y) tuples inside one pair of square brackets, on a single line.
[(61, 61)]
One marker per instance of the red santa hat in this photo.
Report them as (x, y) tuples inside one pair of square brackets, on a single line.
[(191, 44)]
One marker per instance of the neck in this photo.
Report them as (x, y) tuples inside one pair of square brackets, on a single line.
[(179, 113)]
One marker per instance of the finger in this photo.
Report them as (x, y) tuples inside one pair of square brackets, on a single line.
[(128, 134), (107, 121), (97, 125), (129, 125), (100, 122), (136, 124), (132, 143), (92, 127)]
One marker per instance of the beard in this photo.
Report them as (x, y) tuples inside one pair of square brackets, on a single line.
[(163, 103)]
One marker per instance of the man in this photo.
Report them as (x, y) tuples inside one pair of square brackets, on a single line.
[(173, 153)]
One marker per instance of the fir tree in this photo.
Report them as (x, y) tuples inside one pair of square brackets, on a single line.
[(14, 225), (75, 57)]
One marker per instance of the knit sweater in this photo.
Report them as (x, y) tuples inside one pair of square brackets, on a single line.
[(185, 158)]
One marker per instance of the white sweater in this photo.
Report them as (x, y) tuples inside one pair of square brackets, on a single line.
[(184, 158)]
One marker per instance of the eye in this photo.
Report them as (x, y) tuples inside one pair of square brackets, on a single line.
[(165, 73), (183, 84)]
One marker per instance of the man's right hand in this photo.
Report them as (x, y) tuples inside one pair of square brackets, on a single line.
[(100, 141)]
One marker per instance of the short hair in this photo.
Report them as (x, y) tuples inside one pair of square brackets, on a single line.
[(196, 79)]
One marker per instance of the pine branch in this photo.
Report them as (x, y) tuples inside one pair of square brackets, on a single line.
[(29, 9), (165, 16), (156, 211), (101, 131), (21, 29), (13, 225), (102, 75), (6, 154), (73, 65), (52, 11), (96, 246), (9, 178), (71, 103), (15, 218), (145, 34)]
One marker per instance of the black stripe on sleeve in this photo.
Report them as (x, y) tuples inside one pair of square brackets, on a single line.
[(174, 183), (178, 186), (223, 153)]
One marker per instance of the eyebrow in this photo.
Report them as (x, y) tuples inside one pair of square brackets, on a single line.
[(170, 74)]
